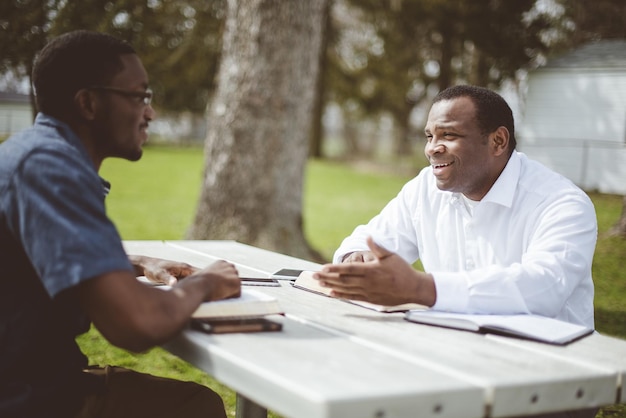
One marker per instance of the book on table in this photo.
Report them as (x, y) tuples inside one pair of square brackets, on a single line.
[(305, 281), (530, 327), (251, 303)]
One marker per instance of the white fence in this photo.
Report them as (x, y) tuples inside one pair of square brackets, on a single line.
[(593, 165), (14, 119)]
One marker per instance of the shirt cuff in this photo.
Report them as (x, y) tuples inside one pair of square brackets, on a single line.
[(452, 291)]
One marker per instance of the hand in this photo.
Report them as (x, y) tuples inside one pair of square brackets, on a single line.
[(161, 271), (358, 257), (223, 280), (387, 280)]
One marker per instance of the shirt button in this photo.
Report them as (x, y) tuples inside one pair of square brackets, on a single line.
[(469, 264)]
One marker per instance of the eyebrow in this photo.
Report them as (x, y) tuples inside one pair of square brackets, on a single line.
[(439, 126)]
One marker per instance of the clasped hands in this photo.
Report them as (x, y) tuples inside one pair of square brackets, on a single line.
[(378, 276)]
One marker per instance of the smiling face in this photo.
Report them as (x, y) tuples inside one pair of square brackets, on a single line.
[(120, 124), (463, 159)]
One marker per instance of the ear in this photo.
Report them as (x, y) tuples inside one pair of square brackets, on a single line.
[(500, 140), (86, 104)]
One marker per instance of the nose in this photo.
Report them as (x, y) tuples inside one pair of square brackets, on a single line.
[(149, 112), (433, 147)]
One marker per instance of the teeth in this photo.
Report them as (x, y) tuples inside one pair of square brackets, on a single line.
[(441, 165)]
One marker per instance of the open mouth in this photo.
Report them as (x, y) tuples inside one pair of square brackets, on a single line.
[(441, 165)]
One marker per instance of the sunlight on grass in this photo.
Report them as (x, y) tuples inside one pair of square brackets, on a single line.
[(156, 197), (337, 199)]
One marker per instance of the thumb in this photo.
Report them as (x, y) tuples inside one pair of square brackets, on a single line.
[(164, 277), (380, 252)]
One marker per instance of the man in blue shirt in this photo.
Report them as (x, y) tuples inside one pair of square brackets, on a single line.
[(63, 264)]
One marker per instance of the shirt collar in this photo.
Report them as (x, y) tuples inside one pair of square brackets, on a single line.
[(503, 190)]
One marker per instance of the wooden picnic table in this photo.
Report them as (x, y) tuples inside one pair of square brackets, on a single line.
[(334, 359)]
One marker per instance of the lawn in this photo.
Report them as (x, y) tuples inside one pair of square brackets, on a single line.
[(156, 199)]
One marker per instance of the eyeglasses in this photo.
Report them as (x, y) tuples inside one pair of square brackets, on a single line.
[(144, 97)]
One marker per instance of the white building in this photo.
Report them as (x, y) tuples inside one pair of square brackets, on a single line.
[(15, 113), (574, 116)]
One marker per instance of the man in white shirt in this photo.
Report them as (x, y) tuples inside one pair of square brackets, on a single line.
[(495, 232)]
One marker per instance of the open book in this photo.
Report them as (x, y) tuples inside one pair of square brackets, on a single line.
[(251, 303), (306, 281), (531, 327)]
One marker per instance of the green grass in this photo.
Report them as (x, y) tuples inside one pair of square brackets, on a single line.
[(156, 199)]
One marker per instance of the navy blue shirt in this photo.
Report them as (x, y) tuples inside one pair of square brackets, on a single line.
[(54, 234)]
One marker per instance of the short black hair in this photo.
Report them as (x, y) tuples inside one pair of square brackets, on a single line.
[(492, 111), (73, 61)]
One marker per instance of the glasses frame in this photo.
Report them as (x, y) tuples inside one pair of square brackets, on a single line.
[(145, 96)]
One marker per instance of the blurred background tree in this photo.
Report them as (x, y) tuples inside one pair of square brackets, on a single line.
[(262, 113), (391, 57), (179, 40), (383, 60), (24, 29)]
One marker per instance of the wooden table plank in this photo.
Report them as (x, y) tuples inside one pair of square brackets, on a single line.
[(307, 372), (518, 379), (264, 261)]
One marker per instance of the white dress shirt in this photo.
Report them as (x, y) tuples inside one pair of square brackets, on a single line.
[(526, 247)]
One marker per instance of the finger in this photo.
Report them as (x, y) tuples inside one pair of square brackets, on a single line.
[(347, 294), (380, 252), (164, 277), (350, 269), (187, 270), (325, 274), (161, 276), (368, 256)]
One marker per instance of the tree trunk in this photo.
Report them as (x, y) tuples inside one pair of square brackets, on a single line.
[(445, 65), (317, 131), (619, 228), (260, 120)]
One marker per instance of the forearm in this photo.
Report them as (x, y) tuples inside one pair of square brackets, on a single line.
[(137, 317)]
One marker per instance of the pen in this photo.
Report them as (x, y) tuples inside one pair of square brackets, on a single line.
[(258, 281)]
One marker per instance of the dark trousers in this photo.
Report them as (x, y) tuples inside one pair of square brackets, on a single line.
[(129, 394)]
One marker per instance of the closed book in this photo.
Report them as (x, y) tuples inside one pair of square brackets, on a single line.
[(305, 281), (251, 303), (531, 327)]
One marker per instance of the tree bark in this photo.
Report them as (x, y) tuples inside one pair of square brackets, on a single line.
[(317, 131), (260, 121)]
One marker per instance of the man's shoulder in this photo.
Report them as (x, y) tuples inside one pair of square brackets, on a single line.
[(35, 142), (538, 176), (36, 159), (33, 139), (538, 179)]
